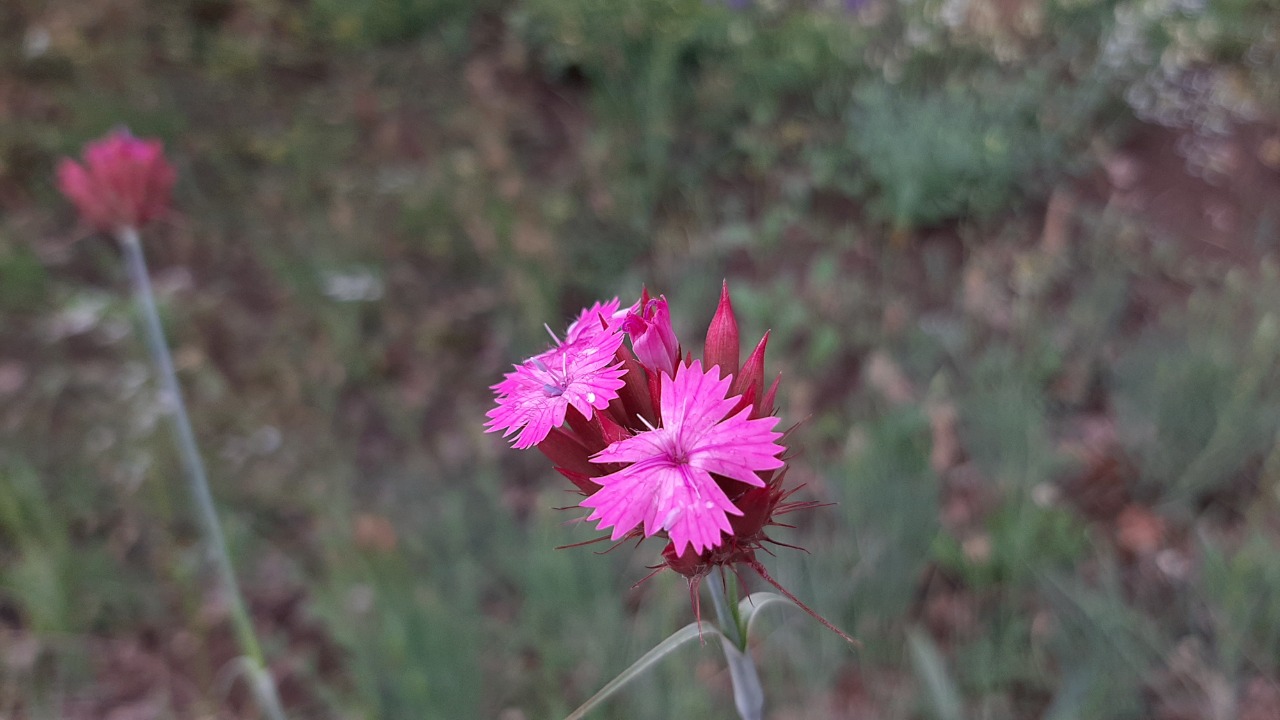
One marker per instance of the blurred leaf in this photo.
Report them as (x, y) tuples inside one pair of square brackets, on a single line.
[(939, 686)]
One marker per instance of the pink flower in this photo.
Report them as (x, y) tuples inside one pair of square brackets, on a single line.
[(124, 182), (657, 445), (583, 374), (652, 338), (668, 484)]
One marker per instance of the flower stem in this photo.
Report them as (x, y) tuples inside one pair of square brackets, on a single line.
[(748, 694), (260, 681)]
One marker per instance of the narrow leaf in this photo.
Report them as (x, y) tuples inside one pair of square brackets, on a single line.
[(751, 605), (673, 641)]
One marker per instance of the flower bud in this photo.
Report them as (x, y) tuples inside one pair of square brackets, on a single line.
[(652, 337), (124, 182), (722, 348), (757, 506)]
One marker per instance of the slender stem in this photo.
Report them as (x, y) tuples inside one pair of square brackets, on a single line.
[(260, 680), (728, 619), (748, 693)]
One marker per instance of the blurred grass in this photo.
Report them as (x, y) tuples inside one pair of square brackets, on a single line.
[(1056, 463)]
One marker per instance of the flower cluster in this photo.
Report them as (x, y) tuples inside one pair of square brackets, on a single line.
[(124, 182), (658, 443)]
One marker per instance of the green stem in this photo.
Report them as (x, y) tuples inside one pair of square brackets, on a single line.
[(260, 680), (748, 694)]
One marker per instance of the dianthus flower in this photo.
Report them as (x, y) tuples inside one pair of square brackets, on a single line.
[(582, 373), (667, 481), (124, 182), (659, 444)]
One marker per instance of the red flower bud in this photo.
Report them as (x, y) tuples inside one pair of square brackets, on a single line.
[(757, 505), (722, 348), (652, 337), (124, 182)]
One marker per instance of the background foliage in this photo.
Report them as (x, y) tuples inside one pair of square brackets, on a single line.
[(1019, 260)]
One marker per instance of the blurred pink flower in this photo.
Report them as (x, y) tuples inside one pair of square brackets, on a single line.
[(584, 374), (668, 484), (124, 182)]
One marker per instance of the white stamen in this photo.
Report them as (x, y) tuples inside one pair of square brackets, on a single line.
[(552, 334)]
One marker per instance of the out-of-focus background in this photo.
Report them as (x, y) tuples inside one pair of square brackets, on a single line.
[(1020, 260)]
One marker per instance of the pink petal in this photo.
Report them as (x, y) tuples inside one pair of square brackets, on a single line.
[(694, 401), (588, 325), (684, 501), (668, 485), (738, 447), (535, 397)]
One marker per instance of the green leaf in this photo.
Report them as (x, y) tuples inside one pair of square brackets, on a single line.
[(751, 605), (943, 693), (658, 652)]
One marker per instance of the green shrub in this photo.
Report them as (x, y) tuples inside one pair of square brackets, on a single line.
[(1242, 590), (1199, 402), (382, 22), (679, 85), (929, 155)]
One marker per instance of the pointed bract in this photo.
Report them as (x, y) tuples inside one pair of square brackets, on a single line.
[(765, 407), (751, 376)]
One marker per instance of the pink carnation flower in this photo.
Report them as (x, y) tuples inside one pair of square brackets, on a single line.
[(668, 484), (657, 445), (582, 373), (124, 182)]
